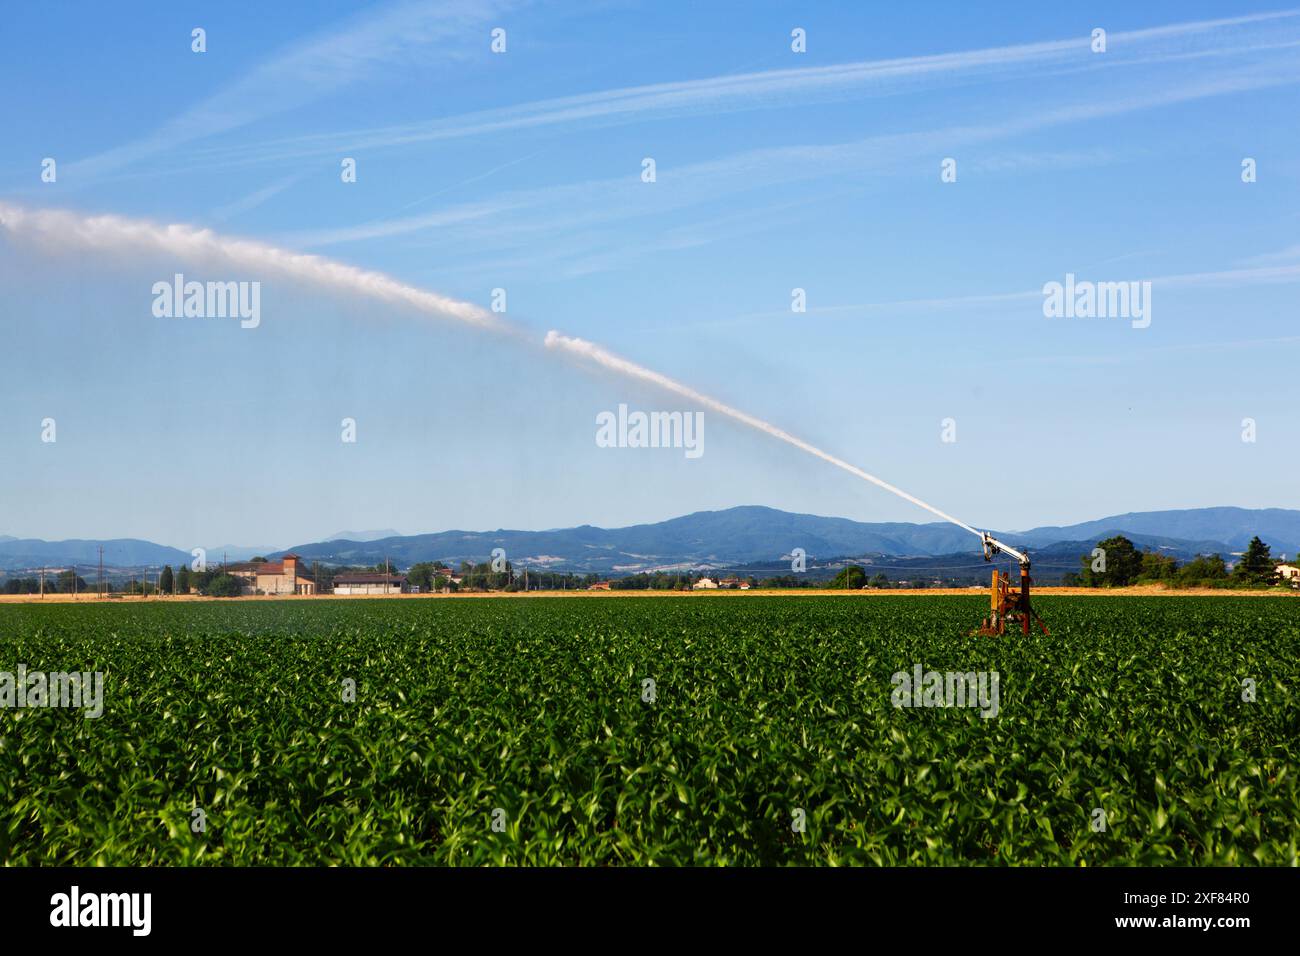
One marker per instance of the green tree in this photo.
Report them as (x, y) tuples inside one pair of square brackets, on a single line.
[(183, 579), (1256, 565), (851, 578), (879, 580), (223, 585), (421, 576), (166, 582), (1121, 560), (1157, 567), (788, 581), (1205, 570), (65, 582)]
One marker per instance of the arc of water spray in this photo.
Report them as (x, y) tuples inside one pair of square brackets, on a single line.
[(61, 229), (615, 363)]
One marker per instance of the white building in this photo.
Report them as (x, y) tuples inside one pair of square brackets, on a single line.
[(1289, 572), (705, 584), (369, 582)]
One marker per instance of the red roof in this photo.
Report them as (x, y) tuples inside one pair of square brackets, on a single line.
[(268, 567)]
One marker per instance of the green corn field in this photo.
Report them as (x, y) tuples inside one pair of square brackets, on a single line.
[(668, 731)]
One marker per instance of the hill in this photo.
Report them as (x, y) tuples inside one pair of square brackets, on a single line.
[(746, 535)]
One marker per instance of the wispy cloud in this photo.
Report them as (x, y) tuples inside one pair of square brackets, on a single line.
[(1139, 355), (747, 91), (1223, 278), (551, 210), (1289, 254), (1021, 161), (254, 199), (471, 179), (321, 65)]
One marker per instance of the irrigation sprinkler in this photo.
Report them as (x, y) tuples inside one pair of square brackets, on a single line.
[(1008, 606)]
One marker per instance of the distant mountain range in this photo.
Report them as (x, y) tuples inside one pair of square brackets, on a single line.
[(20, 553), (748, 535), (363, 535), (754, 534), (238, 552)]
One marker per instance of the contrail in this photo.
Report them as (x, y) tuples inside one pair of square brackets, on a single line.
[(606, 359), (728, 92), (59, 229)]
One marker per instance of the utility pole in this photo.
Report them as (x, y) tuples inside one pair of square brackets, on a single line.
[(42, 583), (99, 589)]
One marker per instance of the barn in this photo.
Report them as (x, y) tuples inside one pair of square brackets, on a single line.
[(369, 582)]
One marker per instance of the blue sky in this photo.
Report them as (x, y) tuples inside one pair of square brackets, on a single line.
[(522, 170)]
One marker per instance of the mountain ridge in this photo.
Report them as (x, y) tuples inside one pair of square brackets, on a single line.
[(749, 533), (744, 534)]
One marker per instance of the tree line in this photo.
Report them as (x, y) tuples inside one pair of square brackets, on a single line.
[(1117, 563)]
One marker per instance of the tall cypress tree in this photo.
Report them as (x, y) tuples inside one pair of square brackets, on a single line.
[(1256, 565)]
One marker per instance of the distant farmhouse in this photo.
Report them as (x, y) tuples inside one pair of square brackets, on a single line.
[(1289, 573), (369, 582), (273, 577), (725, 584)]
